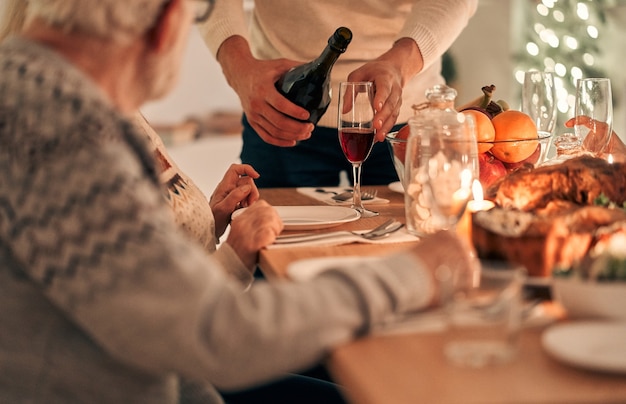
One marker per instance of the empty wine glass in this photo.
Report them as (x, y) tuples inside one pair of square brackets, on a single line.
[(451, 168), (356, 132), (593, 112), (539, 100)]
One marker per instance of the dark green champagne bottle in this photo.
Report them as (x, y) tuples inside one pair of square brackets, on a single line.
[(308, 85)]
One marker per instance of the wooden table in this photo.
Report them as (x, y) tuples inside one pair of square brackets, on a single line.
[(411, 368)]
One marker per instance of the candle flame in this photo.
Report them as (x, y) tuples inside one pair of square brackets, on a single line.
[(477, 191), (610, 159)]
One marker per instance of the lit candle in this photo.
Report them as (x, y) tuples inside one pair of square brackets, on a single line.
[(464, 227)]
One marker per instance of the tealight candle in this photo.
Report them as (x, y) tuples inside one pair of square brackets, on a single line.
[(464, 226)]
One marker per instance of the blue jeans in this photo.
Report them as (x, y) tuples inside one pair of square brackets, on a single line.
[(315, 162)]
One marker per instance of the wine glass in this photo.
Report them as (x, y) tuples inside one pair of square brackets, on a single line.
[(451, 167), (593, 112), (356, 132), (539, 100)]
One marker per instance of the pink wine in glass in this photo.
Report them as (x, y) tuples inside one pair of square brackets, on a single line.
[(356, 143)]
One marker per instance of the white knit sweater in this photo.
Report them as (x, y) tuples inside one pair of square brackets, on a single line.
[(191, 208), (299, 30)]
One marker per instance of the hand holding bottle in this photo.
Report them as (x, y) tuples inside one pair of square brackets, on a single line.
[(277, 120)]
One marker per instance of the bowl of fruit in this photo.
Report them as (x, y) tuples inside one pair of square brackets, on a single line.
[(397, 147), (507, 141)]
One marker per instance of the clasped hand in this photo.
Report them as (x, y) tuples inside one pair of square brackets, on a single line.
[(255, 228)]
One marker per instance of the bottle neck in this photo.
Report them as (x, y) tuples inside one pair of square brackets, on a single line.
[(327, 58)]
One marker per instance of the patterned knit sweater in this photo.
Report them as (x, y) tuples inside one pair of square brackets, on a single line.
[(104, 299)]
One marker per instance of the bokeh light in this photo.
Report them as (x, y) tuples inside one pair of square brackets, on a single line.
[(570, 42), (558, 16), (576, 72), (532, 48), (563, 36), (582, 11), (560, 69)]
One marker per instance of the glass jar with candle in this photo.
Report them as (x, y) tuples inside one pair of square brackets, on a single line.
[(441, 162)]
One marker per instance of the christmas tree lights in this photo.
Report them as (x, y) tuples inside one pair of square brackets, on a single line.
[(564, 36)]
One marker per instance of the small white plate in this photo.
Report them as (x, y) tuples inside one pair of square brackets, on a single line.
[(396, 187), (596, 346), (312, 217)]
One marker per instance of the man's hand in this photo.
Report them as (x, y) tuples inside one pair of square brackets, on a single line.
[(448, 257), (389, 72), (277, 120)]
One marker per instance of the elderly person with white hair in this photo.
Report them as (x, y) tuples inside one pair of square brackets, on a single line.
[(202, 219), (103, 298)]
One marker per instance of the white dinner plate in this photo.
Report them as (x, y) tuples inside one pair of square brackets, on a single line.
[(396, 187), (589, 345), (313, 217)]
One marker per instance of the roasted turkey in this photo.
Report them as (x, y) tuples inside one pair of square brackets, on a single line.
[(546, 216), (578, 181)]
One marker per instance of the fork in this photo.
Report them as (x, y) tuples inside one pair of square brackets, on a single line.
[(366, 194), (378, 232)]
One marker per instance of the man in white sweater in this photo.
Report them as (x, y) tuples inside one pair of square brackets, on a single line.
[(397, 44), (103, 298)]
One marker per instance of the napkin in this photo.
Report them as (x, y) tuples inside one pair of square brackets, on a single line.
[(328, 198), (400, 236)]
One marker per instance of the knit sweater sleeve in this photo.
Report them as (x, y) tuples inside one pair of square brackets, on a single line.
[(434, 25), (230, 261), (91, 229), (227, 19), (84, 219)]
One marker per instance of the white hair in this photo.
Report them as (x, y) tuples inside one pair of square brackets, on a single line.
[(119, 20)]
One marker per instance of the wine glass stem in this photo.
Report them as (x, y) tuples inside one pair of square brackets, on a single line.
[(356, 190)]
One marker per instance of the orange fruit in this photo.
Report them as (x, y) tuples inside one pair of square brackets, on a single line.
[(518, 136), (485, 132)]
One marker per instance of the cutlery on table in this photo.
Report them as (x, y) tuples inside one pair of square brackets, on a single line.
[(366, 195), (381, 231)]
